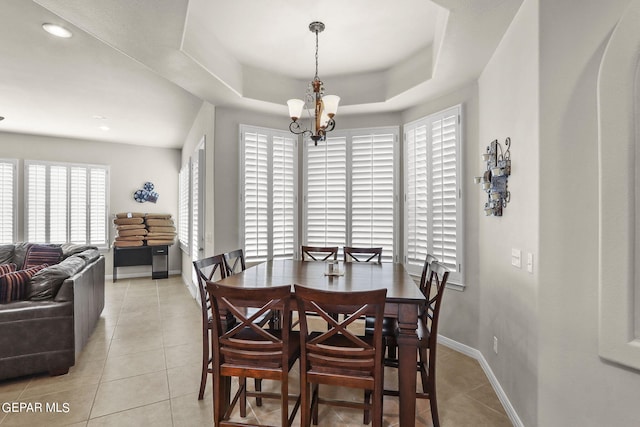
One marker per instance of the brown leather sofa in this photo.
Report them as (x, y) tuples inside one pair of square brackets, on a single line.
[(47, 332)]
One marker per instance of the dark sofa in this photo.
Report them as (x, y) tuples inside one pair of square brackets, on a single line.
[(46, 332)]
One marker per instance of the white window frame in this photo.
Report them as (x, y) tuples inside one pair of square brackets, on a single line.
[(12, 203), (349, 134), (456, 277), (89, 168), (270, 134)]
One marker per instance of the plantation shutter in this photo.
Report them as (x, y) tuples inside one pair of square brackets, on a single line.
[(432, 199), (372, 192), (78, 204), (256, 198), (183, 208), (7, 201), (98, 212), (444, 189), (283, 198), (36, 187), (269, 174), (416, 195), (66, 203), (195, 193), (326, 198)]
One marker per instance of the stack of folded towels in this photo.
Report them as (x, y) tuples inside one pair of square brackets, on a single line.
[(131, 230), (160, 229)]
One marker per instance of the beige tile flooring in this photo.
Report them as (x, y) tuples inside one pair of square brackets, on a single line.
[(142, 368)]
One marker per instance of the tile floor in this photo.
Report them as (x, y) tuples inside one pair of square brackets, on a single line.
[(142, 368)]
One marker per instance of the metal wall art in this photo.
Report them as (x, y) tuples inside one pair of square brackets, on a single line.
[(146, 194), (495, 179)]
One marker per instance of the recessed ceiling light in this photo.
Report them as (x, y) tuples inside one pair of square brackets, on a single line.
[(99, 117), (104, 128), (57, 30)]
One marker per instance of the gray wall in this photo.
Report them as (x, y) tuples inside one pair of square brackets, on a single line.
[(130, 167), (508, 303), (576, 387)]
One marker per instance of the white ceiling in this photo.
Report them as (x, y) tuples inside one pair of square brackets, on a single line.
[(147, 65)]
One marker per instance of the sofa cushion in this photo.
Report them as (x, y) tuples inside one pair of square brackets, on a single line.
[(6, 253), (46, 283), (69, 249), (42, 254), (89, 255), (7, 268), (20, 252), (13, 286)]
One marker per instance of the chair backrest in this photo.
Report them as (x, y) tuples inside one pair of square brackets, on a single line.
[(426, 271), (317, 253), (234, 262), (434, 290), (352, 353), (249, 342), (352, 254), (208, 269)]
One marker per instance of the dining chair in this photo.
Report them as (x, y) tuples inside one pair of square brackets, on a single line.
[(390, 324), (338, 356), (207, 269), (234, 262), (317, 253), (251, 349), (427, 332), (353, 254)]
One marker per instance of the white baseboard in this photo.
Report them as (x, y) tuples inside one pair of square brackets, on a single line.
[(476, 354)]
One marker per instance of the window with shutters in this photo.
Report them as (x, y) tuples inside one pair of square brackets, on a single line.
[(8, 200), (350, 190), (433, 207), (269, 186), (66, 203), (183, 207)]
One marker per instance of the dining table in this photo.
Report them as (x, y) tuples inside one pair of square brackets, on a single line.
[(403, 302)]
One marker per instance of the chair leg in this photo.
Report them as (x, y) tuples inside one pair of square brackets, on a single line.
[(377, 406), (242, 383), (314, 403), (284, 401), (305, 402), (258, 385), (433, 403), (217, 401), (367, 413), (205, 368)]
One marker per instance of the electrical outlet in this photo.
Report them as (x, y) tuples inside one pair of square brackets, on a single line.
[(495, 345), (530, 262)]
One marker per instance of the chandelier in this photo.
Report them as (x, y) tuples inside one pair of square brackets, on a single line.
[(324, 106)]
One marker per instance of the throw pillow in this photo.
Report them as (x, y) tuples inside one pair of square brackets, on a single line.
[(42, 254), (13, 285), (7, 268)]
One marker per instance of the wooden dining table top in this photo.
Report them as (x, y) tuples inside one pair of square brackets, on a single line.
[(355, 276)]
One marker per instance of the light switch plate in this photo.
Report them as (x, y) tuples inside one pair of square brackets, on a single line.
[(516, 258)]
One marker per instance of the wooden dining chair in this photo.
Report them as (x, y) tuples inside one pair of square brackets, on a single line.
[(434, 287), (353, 254), (251, 349), (317, 253), (390, 324), (207, 269), (338, 356), (234, 262)]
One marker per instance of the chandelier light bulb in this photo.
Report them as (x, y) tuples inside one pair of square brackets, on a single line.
[(295, 108)]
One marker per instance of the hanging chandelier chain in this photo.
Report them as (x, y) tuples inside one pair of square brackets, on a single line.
[(317, 78)]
